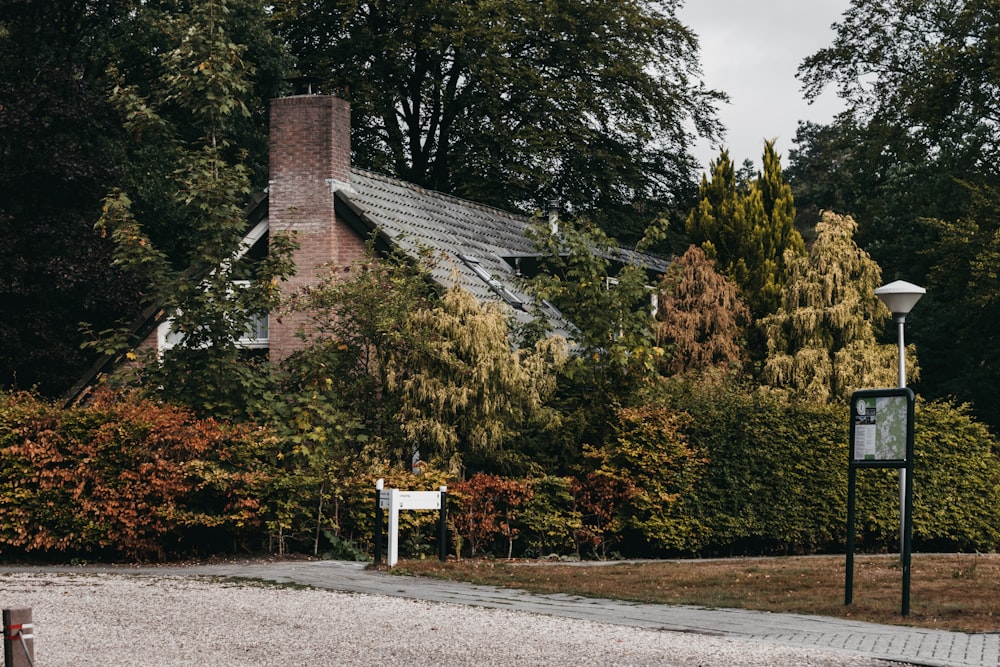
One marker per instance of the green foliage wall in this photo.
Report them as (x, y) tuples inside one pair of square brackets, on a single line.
[(776, 480), (776, 474)]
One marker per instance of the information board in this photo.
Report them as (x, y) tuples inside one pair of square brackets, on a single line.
[(881, 437), (880, 426)]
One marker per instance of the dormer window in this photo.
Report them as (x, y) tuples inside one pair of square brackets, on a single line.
[(509, 297)]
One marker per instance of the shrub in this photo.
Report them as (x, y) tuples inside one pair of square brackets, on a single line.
[(549, 517), (487, 511), (649, 456), (124, 476)]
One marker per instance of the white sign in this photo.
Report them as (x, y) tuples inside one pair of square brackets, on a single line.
[(419, 500), (395, 500)]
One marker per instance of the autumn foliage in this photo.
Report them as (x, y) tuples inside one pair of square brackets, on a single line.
[(124, 477), (487, 510)]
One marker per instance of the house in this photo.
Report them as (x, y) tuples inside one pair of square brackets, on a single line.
[(334, 208)]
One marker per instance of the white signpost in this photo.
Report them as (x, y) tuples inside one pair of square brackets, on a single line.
[(395, 500)]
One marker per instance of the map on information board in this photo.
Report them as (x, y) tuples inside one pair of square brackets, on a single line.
[(880, 428)]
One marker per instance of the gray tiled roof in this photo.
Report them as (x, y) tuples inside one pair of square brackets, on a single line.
[(475, 246)]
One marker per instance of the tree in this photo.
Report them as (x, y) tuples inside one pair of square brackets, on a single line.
[(926, 68), (336, 402), (60, 147), (701, 320), (606, 305), (605, 301), (916, 144), (194, 109), (964, 291), (823, 172), (821, 343), (392, 367), (463, 390), (595, 104), (747, 227)]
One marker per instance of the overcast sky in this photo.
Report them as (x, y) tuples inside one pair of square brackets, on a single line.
[(751, 49)]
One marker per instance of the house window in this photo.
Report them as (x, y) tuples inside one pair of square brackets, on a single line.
[(256, 334), (493, 281)]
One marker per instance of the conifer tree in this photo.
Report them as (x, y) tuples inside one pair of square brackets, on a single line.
[(701, 320), (821, 343), (747, 227), (463, 388), (716, 222), (779, 233)]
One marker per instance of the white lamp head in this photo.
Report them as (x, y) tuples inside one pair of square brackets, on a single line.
[(900, 296)]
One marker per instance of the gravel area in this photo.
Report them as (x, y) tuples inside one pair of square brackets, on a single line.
[(122, 620)]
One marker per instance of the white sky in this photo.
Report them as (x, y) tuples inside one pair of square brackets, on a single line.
[(751, 49)]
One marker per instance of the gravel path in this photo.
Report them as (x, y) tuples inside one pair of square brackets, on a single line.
[(121, 620)]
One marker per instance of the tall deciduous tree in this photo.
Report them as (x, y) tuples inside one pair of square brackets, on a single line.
[(821, 343), (512, 103), (357, 331), (60, 149), (701, 320), (747, 227), (207, 78), (609, 308), (965, 297)]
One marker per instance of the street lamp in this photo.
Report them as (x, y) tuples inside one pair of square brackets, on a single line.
[(900, 297)]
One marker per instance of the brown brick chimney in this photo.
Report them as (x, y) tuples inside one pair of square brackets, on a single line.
[(310, 158)]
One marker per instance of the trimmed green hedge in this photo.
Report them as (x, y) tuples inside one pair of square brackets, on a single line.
[(701, 470), (776, 481)]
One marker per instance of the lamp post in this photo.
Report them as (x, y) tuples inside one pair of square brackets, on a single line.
[(900, 297)]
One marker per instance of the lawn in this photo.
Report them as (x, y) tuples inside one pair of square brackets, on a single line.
[(947, 592)]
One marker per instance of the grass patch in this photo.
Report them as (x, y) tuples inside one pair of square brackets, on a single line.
[(947, 592)]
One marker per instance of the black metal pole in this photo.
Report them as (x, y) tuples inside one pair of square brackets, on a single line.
[(378, 525), (443, 525), (849, 568)]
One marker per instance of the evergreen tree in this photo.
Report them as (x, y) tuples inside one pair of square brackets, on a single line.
[(464, 390), (701, 320), (779, 209), (821, 343), (747, 227)]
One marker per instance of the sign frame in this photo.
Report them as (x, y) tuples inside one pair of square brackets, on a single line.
[(865, 433), (861, 427), (395, 500)]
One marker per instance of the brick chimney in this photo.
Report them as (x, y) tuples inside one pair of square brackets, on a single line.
[(310, 159)]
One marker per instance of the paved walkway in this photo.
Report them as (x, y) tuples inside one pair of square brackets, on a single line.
[(885, 642)]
